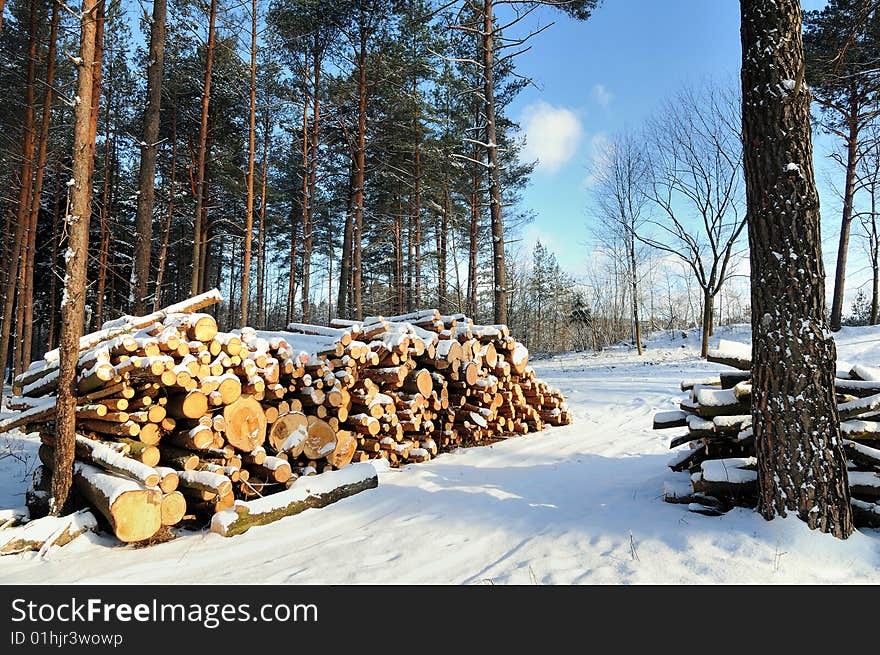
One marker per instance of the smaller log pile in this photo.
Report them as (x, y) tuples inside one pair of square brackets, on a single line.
[(718, 451), (175, 418)]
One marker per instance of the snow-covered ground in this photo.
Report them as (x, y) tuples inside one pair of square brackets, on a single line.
[(579, 504)]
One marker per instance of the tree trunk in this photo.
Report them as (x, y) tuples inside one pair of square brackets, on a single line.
[(417, 211), (633, 272), (498, 267), (53, 262), (291, 282), (169, 213), (77, 223), (342, 307), (472, 245), (249, 211), (104, 249), (442, 302), (140, 272), (27, 337), (261, 233), (360, 163), (706, 325), (23, 215), (198, 256), (849, 191), (801, 464)]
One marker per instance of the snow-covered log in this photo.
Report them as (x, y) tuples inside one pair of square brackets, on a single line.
[(305, 493), (47, 532), (731, 353)]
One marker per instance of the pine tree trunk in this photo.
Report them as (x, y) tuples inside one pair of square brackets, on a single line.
[(198, 255), (77, 222), (498, 268), (342, 307), (849, 191), (40, 170), (249, 210), (140, 272), (442, 301), (53, 262), (360, 164), (801, 465), (417, 213), (313, 177), (472, 244), (23, 216), (169, 213), (291, 281), (261, 239), (104, 218)]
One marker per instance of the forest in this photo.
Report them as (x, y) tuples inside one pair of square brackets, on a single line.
[(321, 159)]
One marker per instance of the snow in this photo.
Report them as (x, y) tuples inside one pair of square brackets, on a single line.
[(560, 505)]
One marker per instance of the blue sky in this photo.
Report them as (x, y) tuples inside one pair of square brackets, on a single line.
[(610, 74)]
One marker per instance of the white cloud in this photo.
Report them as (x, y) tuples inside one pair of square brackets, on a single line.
[(602, 95), (552, 135)]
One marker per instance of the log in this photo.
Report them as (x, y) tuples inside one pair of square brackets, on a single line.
[(346, 445), (671, 419), (133, 511), (245, 424), (191, 405), (173, 508), (273, 469), (168, 479), (47, 532), (205, 481), (145, 453), (733, 354), (320, 441), (305, 493), (288, 433)]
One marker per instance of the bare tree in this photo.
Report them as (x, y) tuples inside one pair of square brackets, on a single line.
[(868, 181), (801, 464), (696, 185), (622, 200)]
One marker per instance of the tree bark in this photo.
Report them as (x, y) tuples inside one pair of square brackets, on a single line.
[(198, 255), (40, 170), (140, 272), (849, 191), (169, 213), (342, 307), (261, 231), (360, 164), (706, 326), (53, 262), (801, 464), (104, 245), (249, 210), (77, 222), (23, 215), (633, 272), (497, 225)]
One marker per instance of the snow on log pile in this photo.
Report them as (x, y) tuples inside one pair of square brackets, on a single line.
[(176, 419), (717, 450)]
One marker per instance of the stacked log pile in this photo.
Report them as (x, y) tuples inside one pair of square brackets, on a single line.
[(177, 419), (718, 451)]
